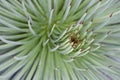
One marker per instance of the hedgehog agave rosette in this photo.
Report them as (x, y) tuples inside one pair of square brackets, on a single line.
[(59, 40)]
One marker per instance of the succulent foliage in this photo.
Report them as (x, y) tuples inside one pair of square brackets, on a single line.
[(59, 40)]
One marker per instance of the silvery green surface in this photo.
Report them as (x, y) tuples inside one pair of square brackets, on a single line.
[(59, 40)]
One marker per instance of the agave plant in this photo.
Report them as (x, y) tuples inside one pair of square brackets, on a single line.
[(59, 40)]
